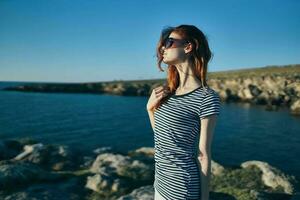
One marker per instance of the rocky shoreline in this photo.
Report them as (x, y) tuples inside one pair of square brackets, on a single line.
[(32, 170), (271, 86)]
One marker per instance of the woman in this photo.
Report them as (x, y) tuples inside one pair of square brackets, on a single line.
[(183, 115)]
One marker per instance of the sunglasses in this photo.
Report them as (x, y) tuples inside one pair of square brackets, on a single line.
[(172, 42)]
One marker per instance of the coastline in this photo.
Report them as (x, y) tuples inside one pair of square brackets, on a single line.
[(271, 86)]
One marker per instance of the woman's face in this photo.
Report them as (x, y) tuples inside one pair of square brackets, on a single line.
[(175, 54)]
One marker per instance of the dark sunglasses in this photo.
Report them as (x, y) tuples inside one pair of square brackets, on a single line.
[(172, 42)]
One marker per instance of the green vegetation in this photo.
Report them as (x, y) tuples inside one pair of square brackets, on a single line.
[(267, 70)]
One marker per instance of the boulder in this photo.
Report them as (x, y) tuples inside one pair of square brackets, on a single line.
[(19, 174), (124, 166), (144, 192), (273, 177), (53, 157), (106, 185), (216, 168), (295, 107), (56, 191), (9, 149)]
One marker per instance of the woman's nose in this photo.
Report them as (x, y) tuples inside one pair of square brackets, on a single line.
[(162, 49)]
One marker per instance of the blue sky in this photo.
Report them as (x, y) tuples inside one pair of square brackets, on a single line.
[(87, 41)]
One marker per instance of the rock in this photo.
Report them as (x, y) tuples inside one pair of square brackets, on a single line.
[(145, 154), (247, 82), (144, 193), (295, 107), (142, 91), (236, 182), (262, 98), (54, 157), (45, 191), (114, 161), (19, 174), (9, 149), (102, 150), (106, 185), (113, 176), (223, 95), (230, 95), (117, 164), (290, 91), (231, 84), (273, 177), (29, 149), (277, 98), (47, 194), (270, 83), (245, 94), (87, 162), (144, 151), (216, 168), (261, 195), (254, 90), (116, 174)]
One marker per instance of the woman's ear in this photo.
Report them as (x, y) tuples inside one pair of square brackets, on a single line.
[(188, 48)]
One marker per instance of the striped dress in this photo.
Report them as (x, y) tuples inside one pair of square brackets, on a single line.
[(176, 139)]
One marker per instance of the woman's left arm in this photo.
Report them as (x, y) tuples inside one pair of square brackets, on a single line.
[(204, 157)]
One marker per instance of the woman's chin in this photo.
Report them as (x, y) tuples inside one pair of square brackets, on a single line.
[(166, 61)]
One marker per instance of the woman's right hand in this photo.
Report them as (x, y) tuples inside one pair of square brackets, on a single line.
[(157, 94)]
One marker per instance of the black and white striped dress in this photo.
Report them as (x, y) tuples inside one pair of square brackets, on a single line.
[(176, 139)]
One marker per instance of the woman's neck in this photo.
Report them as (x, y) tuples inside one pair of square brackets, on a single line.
[(187, 79)]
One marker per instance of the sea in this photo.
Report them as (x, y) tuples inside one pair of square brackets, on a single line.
[(91, 121)]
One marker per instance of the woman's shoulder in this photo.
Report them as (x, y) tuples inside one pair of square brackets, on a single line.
[(210, 94), (209, 103), (208, 91)]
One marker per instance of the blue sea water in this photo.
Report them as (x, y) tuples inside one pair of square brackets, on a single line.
[(89, 121)]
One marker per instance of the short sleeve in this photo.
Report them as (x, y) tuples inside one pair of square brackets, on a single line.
[(210, 104)]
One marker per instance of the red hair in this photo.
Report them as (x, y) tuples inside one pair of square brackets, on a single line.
[(199, 56)]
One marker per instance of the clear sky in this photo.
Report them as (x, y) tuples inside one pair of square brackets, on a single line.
[(87, 40)]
